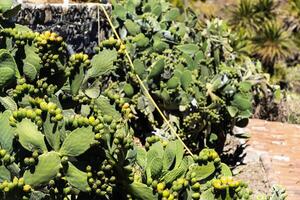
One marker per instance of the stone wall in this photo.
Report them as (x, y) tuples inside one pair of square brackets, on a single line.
[(43, 1), (60, 1), (81, 25)]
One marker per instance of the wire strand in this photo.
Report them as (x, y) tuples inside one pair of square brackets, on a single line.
[(143, 85)]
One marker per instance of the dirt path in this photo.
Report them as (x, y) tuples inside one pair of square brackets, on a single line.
[(274, 149)]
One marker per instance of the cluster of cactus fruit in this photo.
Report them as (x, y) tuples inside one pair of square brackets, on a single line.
[(79, 128)]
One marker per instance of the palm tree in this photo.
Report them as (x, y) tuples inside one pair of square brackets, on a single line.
[(292, 19), (272, 43), (243, 16), (266, 9)]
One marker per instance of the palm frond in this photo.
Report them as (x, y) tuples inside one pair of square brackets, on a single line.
[(272, 43), (243, 16), (266, 9)]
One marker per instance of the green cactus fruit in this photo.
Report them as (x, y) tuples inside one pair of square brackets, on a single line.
[(44, 106), (196, 186), (128, 89), (59, 117), (173, 82), (2, 153), (21, 182), (166, 193), (196, 195), (26, 188)]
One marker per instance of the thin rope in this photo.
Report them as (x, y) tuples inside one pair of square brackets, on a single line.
[(98, 15), (143, 85)]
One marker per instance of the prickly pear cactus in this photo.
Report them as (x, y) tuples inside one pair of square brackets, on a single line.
[(76, 127), (196, 80)]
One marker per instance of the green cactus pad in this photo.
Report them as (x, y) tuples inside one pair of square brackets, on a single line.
[(30, 137), (46, 169), (7, 75), (77, 178), (77, 142), (173, 82), (157, 68), (128, 89), (7, 132)]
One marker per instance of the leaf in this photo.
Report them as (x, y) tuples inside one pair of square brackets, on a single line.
[(32, 57), (5, 5), (46, 169), (169, 155), (29, 71), (4, 174), (132, 27), (52, 132), (77, 142), (243, 102), (6, 131), (7, 60), (159, 46), (93, 91), (217, 57), (186, 79), (8, 103), (85, 110), (106, 108), (37, 195), (29, 136), (188, 48), (102, 63), (7, 75), (174, 174), (245, 86), (156, 167), (157, 68), (31, 63), (225, 170), (77, 178), (156, 151), (139, 67), (119, 11), (14, 169), (12, 12), (156, 10), (131, 154), (141, 191), (172, 14), (179, 152), (140, 40), (141, 157), (208, 195), (203, 171), (232, 110), (76, 80)]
